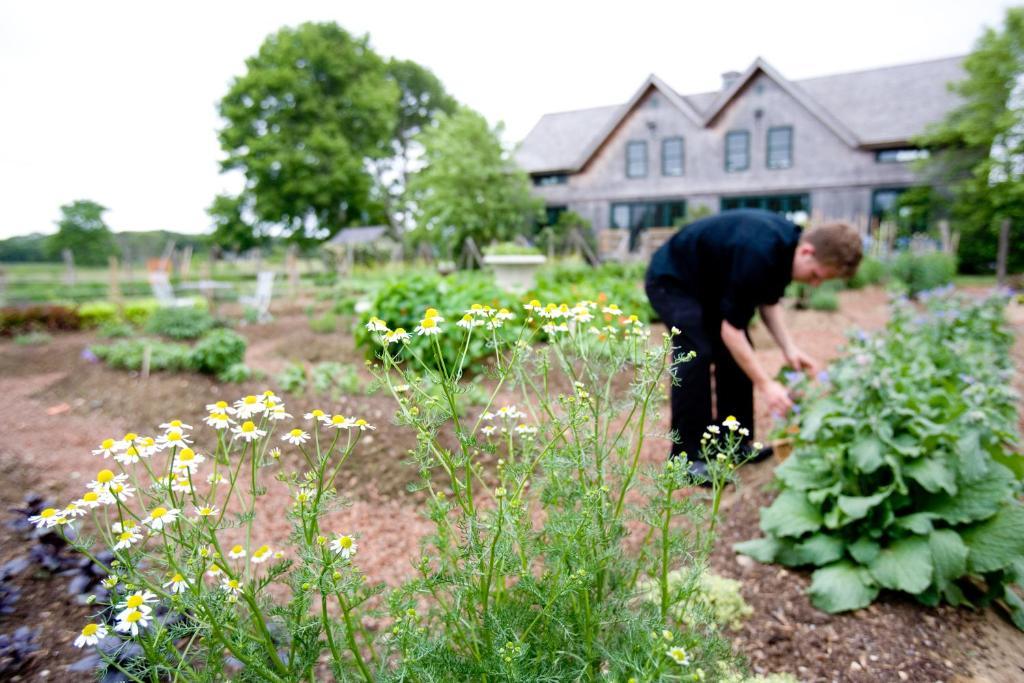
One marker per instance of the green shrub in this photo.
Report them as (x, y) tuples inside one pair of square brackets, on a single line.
[(823, 298), (237, 373), (217, 351), (179, 323), (96, 313), (115, 329), (129, 353), (292, 379), (617, 283), (337, 379), (872, 271), (33, 339), (511, 249), (904, 474), (51, 318), (137, 312), (403, 302), (921, 272), (325, 324)]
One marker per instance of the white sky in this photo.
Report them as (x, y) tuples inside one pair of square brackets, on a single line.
[(115, 101)]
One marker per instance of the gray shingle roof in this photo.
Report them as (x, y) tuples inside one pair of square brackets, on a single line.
[(879, 106)]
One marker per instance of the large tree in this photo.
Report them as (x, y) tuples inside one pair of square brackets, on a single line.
[(469, 186), (81, 229), (977, 148), (422, 98), (314, 106)]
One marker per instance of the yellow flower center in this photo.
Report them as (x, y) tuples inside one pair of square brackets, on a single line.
[(90, 629), (205, 511), (249, 400), (431, 313), (116, 488), (475, 307), (534, 303), (262, 550), (157, 513), (428, 323), (175, 423), (468, 318), (71, 507), (399, 330), (345, 541), (107, 444), (91, 497), (133, 617), (233, 583), (130, 436), (298, 432), (131, 451), (48, 512), (187, 455), (221, 404), (248, 427), (219, 416), (237, 549), (124, 536), (135, 601), (337, 419), (174, 436), (361, 422), (105, 476), (317, 413), (268, 392)]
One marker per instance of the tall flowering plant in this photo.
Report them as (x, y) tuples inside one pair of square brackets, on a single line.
[(553, 545)]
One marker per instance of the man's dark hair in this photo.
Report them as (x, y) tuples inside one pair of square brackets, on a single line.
[(837, 245)]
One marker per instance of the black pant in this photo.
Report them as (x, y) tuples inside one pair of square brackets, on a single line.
[(700, 331)]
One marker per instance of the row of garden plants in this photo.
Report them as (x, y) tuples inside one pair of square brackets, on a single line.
[(525, 577), (905, 473)]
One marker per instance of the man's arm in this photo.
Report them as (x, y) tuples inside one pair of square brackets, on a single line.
[(773, 393), (772, 317)]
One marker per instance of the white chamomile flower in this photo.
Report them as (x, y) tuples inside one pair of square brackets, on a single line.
[(318, 415), (533, 305), (173, 439), (126, 539), (362, 425), (344, 545), (433, 314), (138, 600), (428, 327), (261, 554), (468, 322), (397, 335), (217, 479), (125, 441), (105, 479), (106, 448), (487, 416), (275, 453), (180, 483), (248, 406), (187, 460), (161, 516), (129, 456), (277, 412), (505, 314), (731, 423), (127, 525), (132, 621), (236, 552), (89, 500), (526, 430), (744, 431), (205, 511), (218, 420), (376, 325), (304, 496), (612, 309), (177, 584), (232, 586), (340, 422), (714, 429), (73, 510), (175, 425), (214, 571), (296, 437), (679, 655), (46, 519), (487, 430), (147, 446), (91, 635), (218, 407), (248, 432)]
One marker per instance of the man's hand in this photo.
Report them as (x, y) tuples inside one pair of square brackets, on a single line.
[(775, 397), (798, 360)]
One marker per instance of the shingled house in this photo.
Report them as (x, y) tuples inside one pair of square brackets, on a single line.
[(834, 147)]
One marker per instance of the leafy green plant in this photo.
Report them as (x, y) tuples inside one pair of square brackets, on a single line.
[(179, 322), (128, 354), (872, 271), (823, 298), (401, 302), (609, 282), (97, 313), (511, 249), (217, 351), (236, 374), (114, 329), (325, 324), (33, 339), (138, 312), (336, 379), (293, 378), (923, 272), (904, 475)]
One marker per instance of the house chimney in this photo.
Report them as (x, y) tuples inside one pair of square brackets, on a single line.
[(728, 78)]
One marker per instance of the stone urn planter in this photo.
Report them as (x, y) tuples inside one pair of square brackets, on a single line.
[(514, 272)]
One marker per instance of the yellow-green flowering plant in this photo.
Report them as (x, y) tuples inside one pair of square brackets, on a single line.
[(549, 528)]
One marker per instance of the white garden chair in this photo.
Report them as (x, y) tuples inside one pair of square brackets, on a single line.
[(260, 301), (161, 287)]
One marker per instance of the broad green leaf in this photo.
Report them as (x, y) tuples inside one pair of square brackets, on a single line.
[(761, 549), (858, 507), (805, 472), (814, 417), (1012, 461), (932, 474), (820, 549), (866, 454), (864, 550), (949, 555), (819, 496), (918, 522), (975, 500), (973, 459), (906, 565), (842, 586), (1016, 606), (790, 515), (997, 542)]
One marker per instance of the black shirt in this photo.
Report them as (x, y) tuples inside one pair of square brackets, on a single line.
[(731, 263)]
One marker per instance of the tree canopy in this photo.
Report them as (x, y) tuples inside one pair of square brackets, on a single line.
[(976, 147), (81, 229), (314, 105), (469, 185)]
